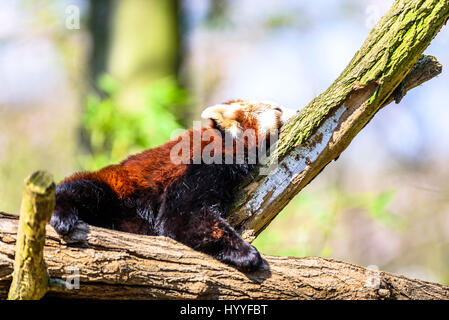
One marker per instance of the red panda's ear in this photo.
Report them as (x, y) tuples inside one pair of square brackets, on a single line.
[(224, 116), (219, 112)]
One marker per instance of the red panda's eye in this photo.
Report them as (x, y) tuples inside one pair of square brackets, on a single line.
[(277, 109)]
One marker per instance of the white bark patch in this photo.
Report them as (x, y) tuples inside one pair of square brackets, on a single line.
[(291, 166)]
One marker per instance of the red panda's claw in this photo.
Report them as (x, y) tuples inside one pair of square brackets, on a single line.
[(246, 258)]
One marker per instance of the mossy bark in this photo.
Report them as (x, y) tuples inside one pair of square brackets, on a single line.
[(386, 57), (30, 278), (325, 127)]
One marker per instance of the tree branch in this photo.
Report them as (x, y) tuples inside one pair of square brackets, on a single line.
[(118, 265), (322, 130)]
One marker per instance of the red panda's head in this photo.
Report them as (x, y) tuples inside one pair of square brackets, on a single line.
[(237, 116), (240, 131)]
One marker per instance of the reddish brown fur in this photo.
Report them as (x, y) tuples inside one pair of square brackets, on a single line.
[(132, 174), (151, 193)]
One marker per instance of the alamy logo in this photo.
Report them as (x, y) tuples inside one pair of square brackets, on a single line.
[(373, 279), (72, 280), (72, 20)]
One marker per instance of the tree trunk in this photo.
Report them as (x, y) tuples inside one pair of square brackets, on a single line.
[(144, 46), (118, 265), (30, 278)]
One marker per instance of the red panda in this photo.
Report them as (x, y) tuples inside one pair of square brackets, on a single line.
[(185, 197)]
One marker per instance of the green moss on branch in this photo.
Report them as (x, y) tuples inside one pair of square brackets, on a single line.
[(386, 57)]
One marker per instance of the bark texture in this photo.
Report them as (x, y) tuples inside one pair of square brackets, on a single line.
[(117, 265)]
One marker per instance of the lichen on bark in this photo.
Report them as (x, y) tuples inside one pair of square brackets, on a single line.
[(387, 55)]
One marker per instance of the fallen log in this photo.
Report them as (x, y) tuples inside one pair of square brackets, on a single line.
[(118, 265)]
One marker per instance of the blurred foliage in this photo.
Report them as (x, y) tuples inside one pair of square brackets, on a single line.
[(218, 15), (305, 226), (114, 132)]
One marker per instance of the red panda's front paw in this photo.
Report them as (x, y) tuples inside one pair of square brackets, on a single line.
[(69, 227), (63, 221), (245, 257)]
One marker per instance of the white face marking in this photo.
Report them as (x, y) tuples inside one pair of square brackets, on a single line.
[(286, 114), (235, 131), (267, 120)]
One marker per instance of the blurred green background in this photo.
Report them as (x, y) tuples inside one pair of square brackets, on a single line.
[(86, 83)]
